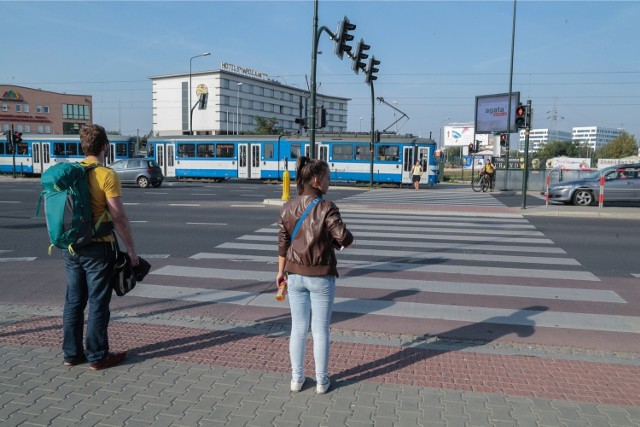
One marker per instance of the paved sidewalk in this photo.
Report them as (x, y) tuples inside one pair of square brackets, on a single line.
[(189, 371)]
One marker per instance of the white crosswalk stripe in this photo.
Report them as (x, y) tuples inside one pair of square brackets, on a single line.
[(400, 196), (495, 257)]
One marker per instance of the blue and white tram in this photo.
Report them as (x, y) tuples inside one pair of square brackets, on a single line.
[(265, 157), (37, 153)]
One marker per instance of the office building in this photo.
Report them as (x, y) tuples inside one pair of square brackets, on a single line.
[(228, 101), (539, 137), (594, 136)]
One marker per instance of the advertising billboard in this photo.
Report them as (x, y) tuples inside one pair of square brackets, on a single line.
[(461, 135), (491, 112)]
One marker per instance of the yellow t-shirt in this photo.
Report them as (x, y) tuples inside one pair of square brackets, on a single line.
[(104, 183), (488, 168)]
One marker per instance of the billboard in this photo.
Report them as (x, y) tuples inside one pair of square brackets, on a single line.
[(491, 112), (461, 135)]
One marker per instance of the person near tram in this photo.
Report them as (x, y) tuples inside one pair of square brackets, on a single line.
[(416, 174)]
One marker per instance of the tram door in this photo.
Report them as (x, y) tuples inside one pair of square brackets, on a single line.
[(249, 157), (40, 156), (322, 152), (407, 164), (165, 155), (423, 156), (111, 154)]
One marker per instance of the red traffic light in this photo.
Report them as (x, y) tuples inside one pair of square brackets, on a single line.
[(521, 119)]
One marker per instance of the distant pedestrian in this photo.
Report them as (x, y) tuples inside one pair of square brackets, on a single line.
[(307, 264), (416, 174), (89, 268)]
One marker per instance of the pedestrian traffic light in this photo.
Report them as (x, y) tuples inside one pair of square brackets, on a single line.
[(343, 37), (359, 57), (371, 70), (521, 116), (503, 140)]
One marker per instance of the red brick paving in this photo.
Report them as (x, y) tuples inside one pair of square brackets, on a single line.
[(541, 377)]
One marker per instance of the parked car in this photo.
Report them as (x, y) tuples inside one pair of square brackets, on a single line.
[(142, 172), (621, 184)]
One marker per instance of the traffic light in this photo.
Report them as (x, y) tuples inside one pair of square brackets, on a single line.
[(302, 122), (343, 37), (521, 116), (359, 57), (371, 69), (321, 117), (503, 140), (477, 147), (471, 148), (10, 136)]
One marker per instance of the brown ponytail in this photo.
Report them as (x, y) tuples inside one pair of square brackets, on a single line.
[(307, 169)]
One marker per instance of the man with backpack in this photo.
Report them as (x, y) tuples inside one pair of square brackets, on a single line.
[(89, 267)]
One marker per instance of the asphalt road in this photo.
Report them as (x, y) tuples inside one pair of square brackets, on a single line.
[(534, 280)]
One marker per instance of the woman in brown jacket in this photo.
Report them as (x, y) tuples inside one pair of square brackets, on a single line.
[(307, 264)]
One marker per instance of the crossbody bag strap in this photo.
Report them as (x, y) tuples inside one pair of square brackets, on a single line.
[(306, 212)]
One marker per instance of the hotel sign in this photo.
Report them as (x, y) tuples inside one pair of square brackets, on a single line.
[(243, 70)]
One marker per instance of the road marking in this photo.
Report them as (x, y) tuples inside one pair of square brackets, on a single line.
[(19, 259), (398, 266), (441, 245), (249, 206), (185, 204), (437, 256), (10, 201), (636, 275), (138, 221), (431, 223), (150, 256), (521, 317), (436, 286), (208, 223)]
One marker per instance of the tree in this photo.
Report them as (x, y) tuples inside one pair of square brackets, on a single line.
[(267, 126), (557, 149), (624, 145)]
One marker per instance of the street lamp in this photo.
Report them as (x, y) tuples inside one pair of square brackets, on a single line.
[(238, 109), (441, 145), (361, 123), (189, 97)]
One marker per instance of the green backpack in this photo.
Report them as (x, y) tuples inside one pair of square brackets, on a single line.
[(67, 206)]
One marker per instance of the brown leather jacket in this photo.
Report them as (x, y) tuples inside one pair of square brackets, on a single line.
[(312, 253)]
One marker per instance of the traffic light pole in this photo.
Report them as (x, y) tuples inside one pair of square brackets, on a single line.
[(525, 176), (372, 146)]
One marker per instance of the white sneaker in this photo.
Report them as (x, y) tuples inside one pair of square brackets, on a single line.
[(296, 386), (321, 388)]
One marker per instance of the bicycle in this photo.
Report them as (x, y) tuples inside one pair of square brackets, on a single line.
[(482, 182)]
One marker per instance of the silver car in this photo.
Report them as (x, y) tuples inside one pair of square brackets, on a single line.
[(621, 184), (141, 172)]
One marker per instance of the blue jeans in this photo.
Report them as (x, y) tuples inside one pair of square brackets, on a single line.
[(310, 298), (88, 279)]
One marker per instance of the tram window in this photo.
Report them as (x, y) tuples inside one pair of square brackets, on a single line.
[(2, 149), (363, 152), (388, 152), (205, 150), (150, 148), (268, 151), (121, 150), (342, 152), (186, 150), (295, 151), (22, 149), (225, 151), (58, 148), (72, 149)]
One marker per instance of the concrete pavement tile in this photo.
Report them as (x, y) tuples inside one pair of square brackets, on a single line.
[(409, 404), (341, 405), (118, 418), (574, 423), (337, 418), (634, 413), (508, 424), (363, 413), (157, 390), (231, 377), (191, 395), (290, 414), (149, 413), (547, 418), (244, 387), (310, 421), (387, 409), (219, 413), (264, 417), (318, 408), (366, 400), (218, 391), (359, 423), (478, 418), (178, 408), (19, 418), (389, 395), (298, 400), (108, 408), (500, 413), (232, 399), (257, 395), (163, 420), (10, 408), (75, 414), (249, 409), (31, 398), (455, 420), (431, 397), (137, 403), (127, 394), (617, 416), (239, 420), (190, 419)]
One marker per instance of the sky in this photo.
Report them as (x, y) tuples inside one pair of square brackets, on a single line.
[(577, 61)]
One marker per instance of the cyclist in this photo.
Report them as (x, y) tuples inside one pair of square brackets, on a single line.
[(489, 170)]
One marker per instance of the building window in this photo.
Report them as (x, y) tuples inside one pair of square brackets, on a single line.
[(40, 129), (47, 129), (39, 109), (18, 108), (75, 111), (5, 107), (27, 128), (25, 108), (45, 109)]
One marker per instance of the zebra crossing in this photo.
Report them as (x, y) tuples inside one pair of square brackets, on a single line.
[(458, 257), (460, 197)]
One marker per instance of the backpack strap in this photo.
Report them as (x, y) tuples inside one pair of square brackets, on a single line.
[(306, 212)]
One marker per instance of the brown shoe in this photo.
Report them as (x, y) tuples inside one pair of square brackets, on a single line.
[(111, 360)]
